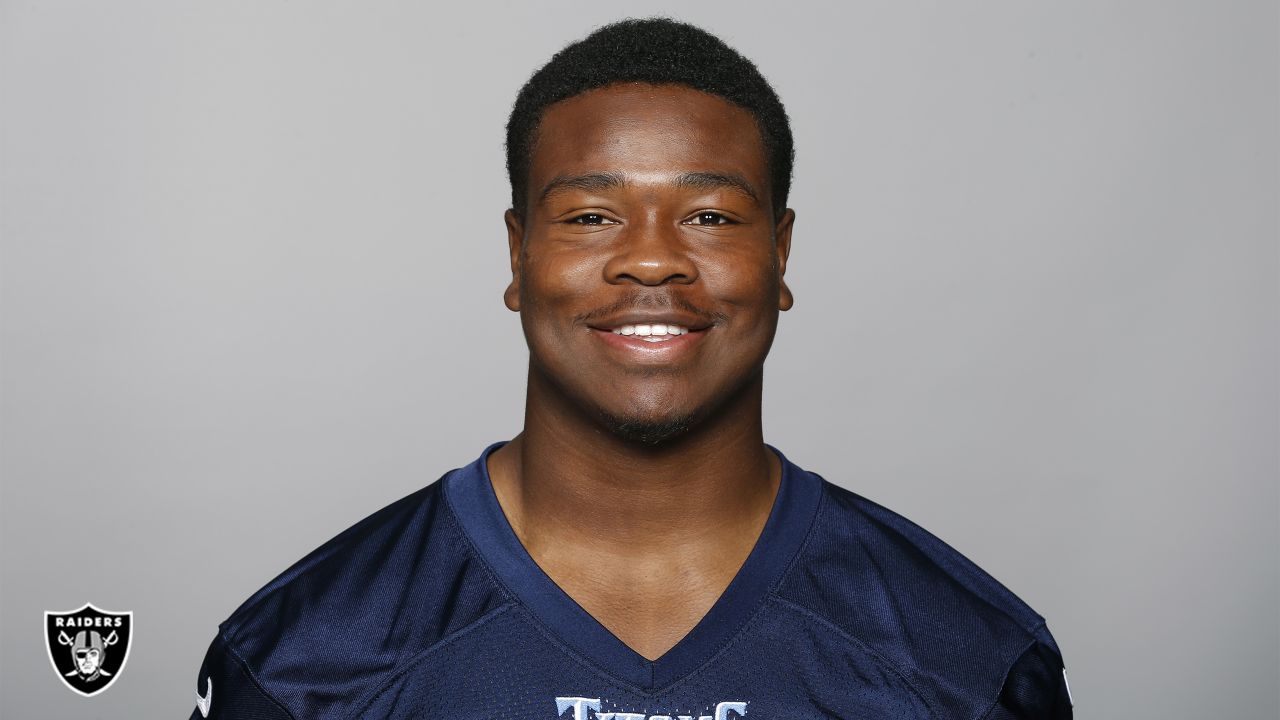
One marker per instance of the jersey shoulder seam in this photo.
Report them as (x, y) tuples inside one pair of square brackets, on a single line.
[(472, 550), (253, 677), (1016, 657), (409, 663), (823, 501), (870, 651)]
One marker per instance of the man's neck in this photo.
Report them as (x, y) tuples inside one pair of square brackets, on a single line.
[(644, 538), (567, 482)]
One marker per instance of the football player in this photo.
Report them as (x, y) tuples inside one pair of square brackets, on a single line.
[(638, 552)]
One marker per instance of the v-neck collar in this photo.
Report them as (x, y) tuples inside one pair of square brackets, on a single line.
[(469, 491)]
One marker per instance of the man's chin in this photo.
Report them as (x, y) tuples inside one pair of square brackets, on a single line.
[(648, 431)]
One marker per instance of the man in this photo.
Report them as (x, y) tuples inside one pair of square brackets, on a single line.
[(638, 551)]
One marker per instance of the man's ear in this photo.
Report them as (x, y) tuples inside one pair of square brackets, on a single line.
[(515, 241), (782, 245)]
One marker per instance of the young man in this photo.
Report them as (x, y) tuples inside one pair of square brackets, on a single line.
[(638, 551)]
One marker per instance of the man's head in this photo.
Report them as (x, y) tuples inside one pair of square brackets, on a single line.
[(649, 234), (654, 51)]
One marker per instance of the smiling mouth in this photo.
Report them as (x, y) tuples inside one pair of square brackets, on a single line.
[(655, 333), (663, 347)]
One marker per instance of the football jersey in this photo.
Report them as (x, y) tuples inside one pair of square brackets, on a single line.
[(431, 609)]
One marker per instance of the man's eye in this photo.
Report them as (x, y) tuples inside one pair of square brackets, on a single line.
[(709, 218), (590, 219)]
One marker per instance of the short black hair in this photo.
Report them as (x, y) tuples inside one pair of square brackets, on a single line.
[(656, 51)]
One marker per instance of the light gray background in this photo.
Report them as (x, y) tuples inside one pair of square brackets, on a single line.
[(253, 262)]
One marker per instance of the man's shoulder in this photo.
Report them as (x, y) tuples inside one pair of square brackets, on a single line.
[(361, 605), (903, 595), (863, 537)]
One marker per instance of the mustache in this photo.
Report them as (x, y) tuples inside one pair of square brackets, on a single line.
[(650, 301)]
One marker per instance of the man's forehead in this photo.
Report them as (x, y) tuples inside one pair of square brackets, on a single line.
[(638, 134), (599, 182)]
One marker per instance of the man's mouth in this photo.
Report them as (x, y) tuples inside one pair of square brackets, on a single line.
[(655, 333)]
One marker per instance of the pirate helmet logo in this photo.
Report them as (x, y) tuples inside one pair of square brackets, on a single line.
[(88, 647)]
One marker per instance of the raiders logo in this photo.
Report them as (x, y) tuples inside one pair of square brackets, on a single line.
[(88, 647)]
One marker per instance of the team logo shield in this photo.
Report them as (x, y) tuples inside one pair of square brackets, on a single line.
[(88, 647)]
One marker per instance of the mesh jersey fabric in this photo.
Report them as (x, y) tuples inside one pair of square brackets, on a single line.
[(430, 608)]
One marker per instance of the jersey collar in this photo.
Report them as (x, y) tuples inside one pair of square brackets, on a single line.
[(470, 494)]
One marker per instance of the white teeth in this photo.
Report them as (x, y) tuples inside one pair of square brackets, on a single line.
[(651, 330)]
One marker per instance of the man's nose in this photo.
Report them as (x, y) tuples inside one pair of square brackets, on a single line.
[(651, 252)]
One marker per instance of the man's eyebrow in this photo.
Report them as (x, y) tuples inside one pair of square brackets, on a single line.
[(596, 182), (592, 182), (715, 180)]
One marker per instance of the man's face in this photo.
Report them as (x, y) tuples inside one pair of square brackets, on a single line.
[(648, 205)]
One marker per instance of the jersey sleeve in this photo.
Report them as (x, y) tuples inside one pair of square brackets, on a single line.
[(1036, 686), (225, 689)]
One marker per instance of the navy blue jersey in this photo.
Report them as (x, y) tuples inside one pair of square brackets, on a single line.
[(431, 608)]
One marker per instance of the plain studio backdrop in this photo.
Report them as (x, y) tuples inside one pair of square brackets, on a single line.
[(253, 262)]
